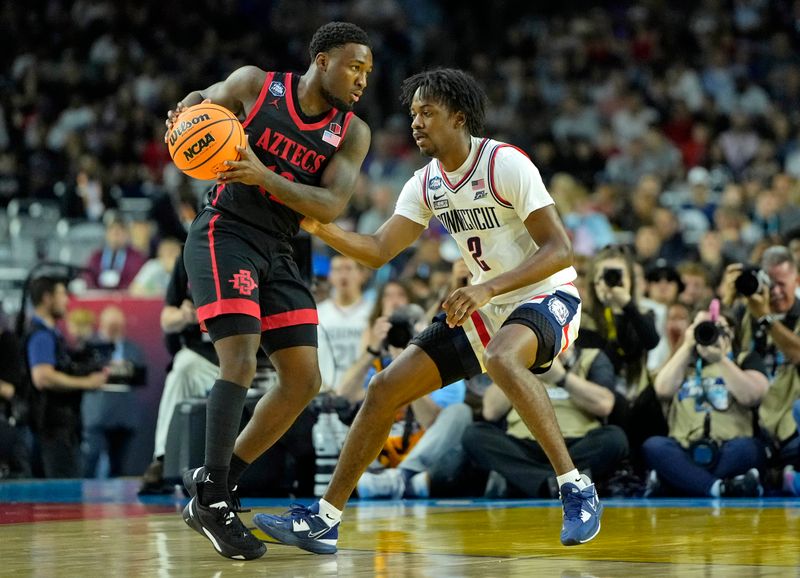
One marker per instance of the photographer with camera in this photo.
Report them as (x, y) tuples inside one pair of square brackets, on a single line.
[(765, 300), (56, 397), (711, 448), (424, 430), (615, 323), (620, 326)]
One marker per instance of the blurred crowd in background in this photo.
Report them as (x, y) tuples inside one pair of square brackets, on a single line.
[(668, 135)]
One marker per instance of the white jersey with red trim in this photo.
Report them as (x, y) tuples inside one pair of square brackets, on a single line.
[(483, 205)]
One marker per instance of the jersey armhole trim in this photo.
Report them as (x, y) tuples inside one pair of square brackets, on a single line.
[(492, 188), (425, 187), (345, 123), (260, 100)]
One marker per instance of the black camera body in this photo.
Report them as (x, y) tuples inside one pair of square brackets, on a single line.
[(90, 358), (752, 280), (401, 330), (707, 333), (612, 276)]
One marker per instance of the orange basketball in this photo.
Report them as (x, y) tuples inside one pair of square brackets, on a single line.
[(203, 138)]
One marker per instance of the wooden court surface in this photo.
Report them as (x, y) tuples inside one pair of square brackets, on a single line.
[(94, 529)]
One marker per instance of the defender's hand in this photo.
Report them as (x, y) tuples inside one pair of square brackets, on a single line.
[(463, 302), (248, 170)]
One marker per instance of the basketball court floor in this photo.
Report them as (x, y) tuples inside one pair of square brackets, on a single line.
[(93, 529)]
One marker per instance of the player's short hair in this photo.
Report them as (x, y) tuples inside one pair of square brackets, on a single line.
[(335, 34), (455, 89)]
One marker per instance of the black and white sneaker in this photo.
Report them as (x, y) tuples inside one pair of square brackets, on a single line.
[(193, 477), (223, 528)]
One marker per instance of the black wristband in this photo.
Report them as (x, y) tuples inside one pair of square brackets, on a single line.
[(373, 352)]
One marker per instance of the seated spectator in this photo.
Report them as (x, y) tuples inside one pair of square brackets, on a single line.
[(110, 415), (615, 322), (663, 285), (711, 449), (153, 278), (115, 265), (769, 327), (580, 386)]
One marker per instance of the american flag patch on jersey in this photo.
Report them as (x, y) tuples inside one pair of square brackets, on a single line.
[(331, 139), (478, 184)]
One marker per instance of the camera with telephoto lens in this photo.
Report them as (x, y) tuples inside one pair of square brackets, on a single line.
[(612, 277), (707, 332), (402, 323), (752, 280), (401, 330)]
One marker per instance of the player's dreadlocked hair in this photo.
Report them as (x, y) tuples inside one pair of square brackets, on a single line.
[(334, 34), (455, 89)]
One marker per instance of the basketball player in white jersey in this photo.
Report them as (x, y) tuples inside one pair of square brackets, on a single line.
[(342, 320), (520, 311)]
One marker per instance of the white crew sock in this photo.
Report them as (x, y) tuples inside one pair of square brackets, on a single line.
[(573, 477), (330, 514)]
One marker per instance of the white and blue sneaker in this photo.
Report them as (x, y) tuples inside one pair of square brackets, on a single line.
[(302, 527), (582, 511)]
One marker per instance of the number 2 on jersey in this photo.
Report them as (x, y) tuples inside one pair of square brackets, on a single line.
[(474, 246)]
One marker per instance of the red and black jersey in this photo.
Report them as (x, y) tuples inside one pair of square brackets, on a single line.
[(288, 142)]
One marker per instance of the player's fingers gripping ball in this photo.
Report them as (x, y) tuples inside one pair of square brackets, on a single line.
[(203, 137)]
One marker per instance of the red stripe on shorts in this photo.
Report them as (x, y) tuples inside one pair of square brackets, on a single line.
[(480, 327), (213, 253), (289, 318), (228, 306)]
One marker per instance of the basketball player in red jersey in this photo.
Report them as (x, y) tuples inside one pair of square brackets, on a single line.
[(304, 152)]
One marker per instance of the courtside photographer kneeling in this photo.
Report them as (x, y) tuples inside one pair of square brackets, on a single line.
[(711, 391)]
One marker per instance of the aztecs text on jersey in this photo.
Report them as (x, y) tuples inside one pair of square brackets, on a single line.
[(288, 142)]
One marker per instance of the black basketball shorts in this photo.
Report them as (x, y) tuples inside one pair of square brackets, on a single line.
[(235, 268), (458, 352)]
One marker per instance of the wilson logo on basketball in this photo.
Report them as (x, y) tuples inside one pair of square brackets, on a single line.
[(198, 146), (186, 124), (243, 282)]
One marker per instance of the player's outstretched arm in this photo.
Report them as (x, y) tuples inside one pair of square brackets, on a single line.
[(373, 250)]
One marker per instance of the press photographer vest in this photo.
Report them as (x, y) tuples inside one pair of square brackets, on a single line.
[(52, 410), (775, 411), (572, 420), (686, 423)]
